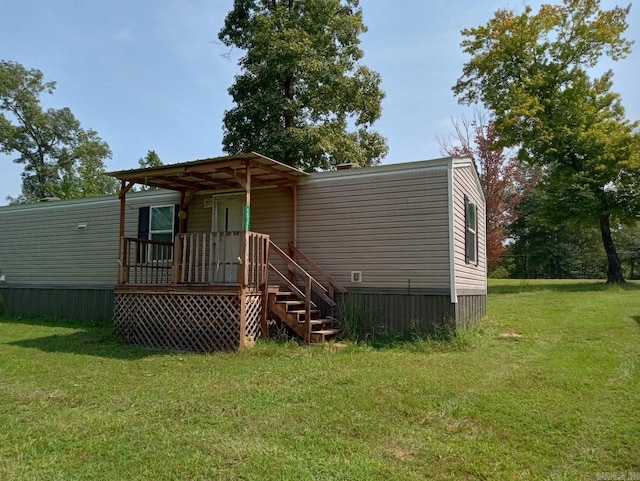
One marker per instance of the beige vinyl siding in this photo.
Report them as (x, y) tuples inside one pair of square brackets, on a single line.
[(41, 243), (468, 275), (392, 226), (199, 218), (272, 213)]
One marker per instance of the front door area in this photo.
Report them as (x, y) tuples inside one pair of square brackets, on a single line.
[(228, 216)]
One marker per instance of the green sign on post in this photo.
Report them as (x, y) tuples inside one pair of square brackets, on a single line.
[(247, 217)]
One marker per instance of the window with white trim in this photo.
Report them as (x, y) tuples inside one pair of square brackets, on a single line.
[(161, 229), (471, 231), (161, 223)]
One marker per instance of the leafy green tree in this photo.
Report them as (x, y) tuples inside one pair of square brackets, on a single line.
[(544, 247), (627, 238), (533, 72), (60, 158), (302, 88), (150, 160)]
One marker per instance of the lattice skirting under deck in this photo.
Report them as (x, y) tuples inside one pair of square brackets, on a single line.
[(201, 322)]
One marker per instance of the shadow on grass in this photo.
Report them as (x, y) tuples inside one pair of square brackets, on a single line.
[(637, 319), (535, 285), (88, 339), (54, 322)]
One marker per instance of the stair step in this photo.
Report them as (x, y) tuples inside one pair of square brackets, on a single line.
[(302, 311), (283, 294), (327, 332), (291, 302), (316, 322)]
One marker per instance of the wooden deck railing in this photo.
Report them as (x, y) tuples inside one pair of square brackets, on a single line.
[(239, 258), (145, 261), (221, 258)]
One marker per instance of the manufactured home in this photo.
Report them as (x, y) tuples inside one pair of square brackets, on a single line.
[(224, 248)]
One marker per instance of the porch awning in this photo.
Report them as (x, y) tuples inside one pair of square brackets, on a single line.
[(229, 172)]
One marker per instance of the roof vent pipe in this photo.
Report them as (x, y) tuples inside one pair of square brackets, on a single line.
[(347, 166)]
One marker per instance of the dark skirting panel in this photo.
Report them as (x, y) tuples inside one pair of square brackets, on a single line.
[(398, 313), (84, 303), (470, 308)]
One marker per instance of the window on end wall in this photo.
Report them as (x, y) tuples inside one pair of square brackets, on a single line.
[(471, 231)]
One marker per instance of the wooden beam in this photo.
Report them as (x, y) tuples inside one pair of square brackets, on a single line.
[(209, 177), (180, 219), (271, 169), (203, 167), (294, 192), (233, 173), (294, 230), (247, 190), (178, 182), (124, 188), (188, 199)]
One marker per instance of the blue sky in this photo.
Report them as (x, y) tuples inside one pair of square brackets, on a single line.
[(151, 75)]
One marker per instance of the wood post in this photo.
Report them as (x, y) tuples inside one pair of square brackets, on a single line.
[(243, 316), (123, 277), (265, 287), (307, 311), (176, 271)]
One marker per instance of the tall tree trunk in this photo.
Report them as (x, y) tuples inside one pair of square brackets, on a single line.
[(288, 121), (614, 271)]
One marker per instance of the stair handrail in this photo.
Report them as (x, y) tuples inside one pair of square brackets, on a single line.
[(298, 269), (310, 284), (327, 277)]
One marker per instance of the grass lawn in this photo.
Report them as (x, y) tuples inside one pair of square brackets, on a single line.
[(547, 387)]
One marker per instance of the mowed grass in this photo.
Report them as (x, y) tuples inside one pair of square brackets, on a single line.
[(547, 387)]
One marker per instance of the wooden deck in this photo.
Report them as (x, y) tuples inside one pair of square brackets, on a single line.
[(204, 293), (193, 318), (212, 292)]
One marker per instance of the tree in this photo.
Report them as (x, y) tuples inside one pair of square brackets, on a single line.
[(544, 248), (533, 72), (150, 160), (504, 181), (60, 158), (628, 240), (301, 86)]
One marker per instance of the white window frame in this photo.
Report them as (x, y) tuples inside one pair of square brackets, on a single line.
[(164, 231), (470, 231)]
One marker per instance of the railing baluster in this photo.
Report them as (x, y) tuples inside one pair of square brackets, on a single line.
[(185, 259), (203, 260), (145, 261)]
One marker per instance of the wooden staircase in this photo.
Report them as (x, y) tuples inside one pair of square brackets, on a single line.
[(294, 306), (291, 310)]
